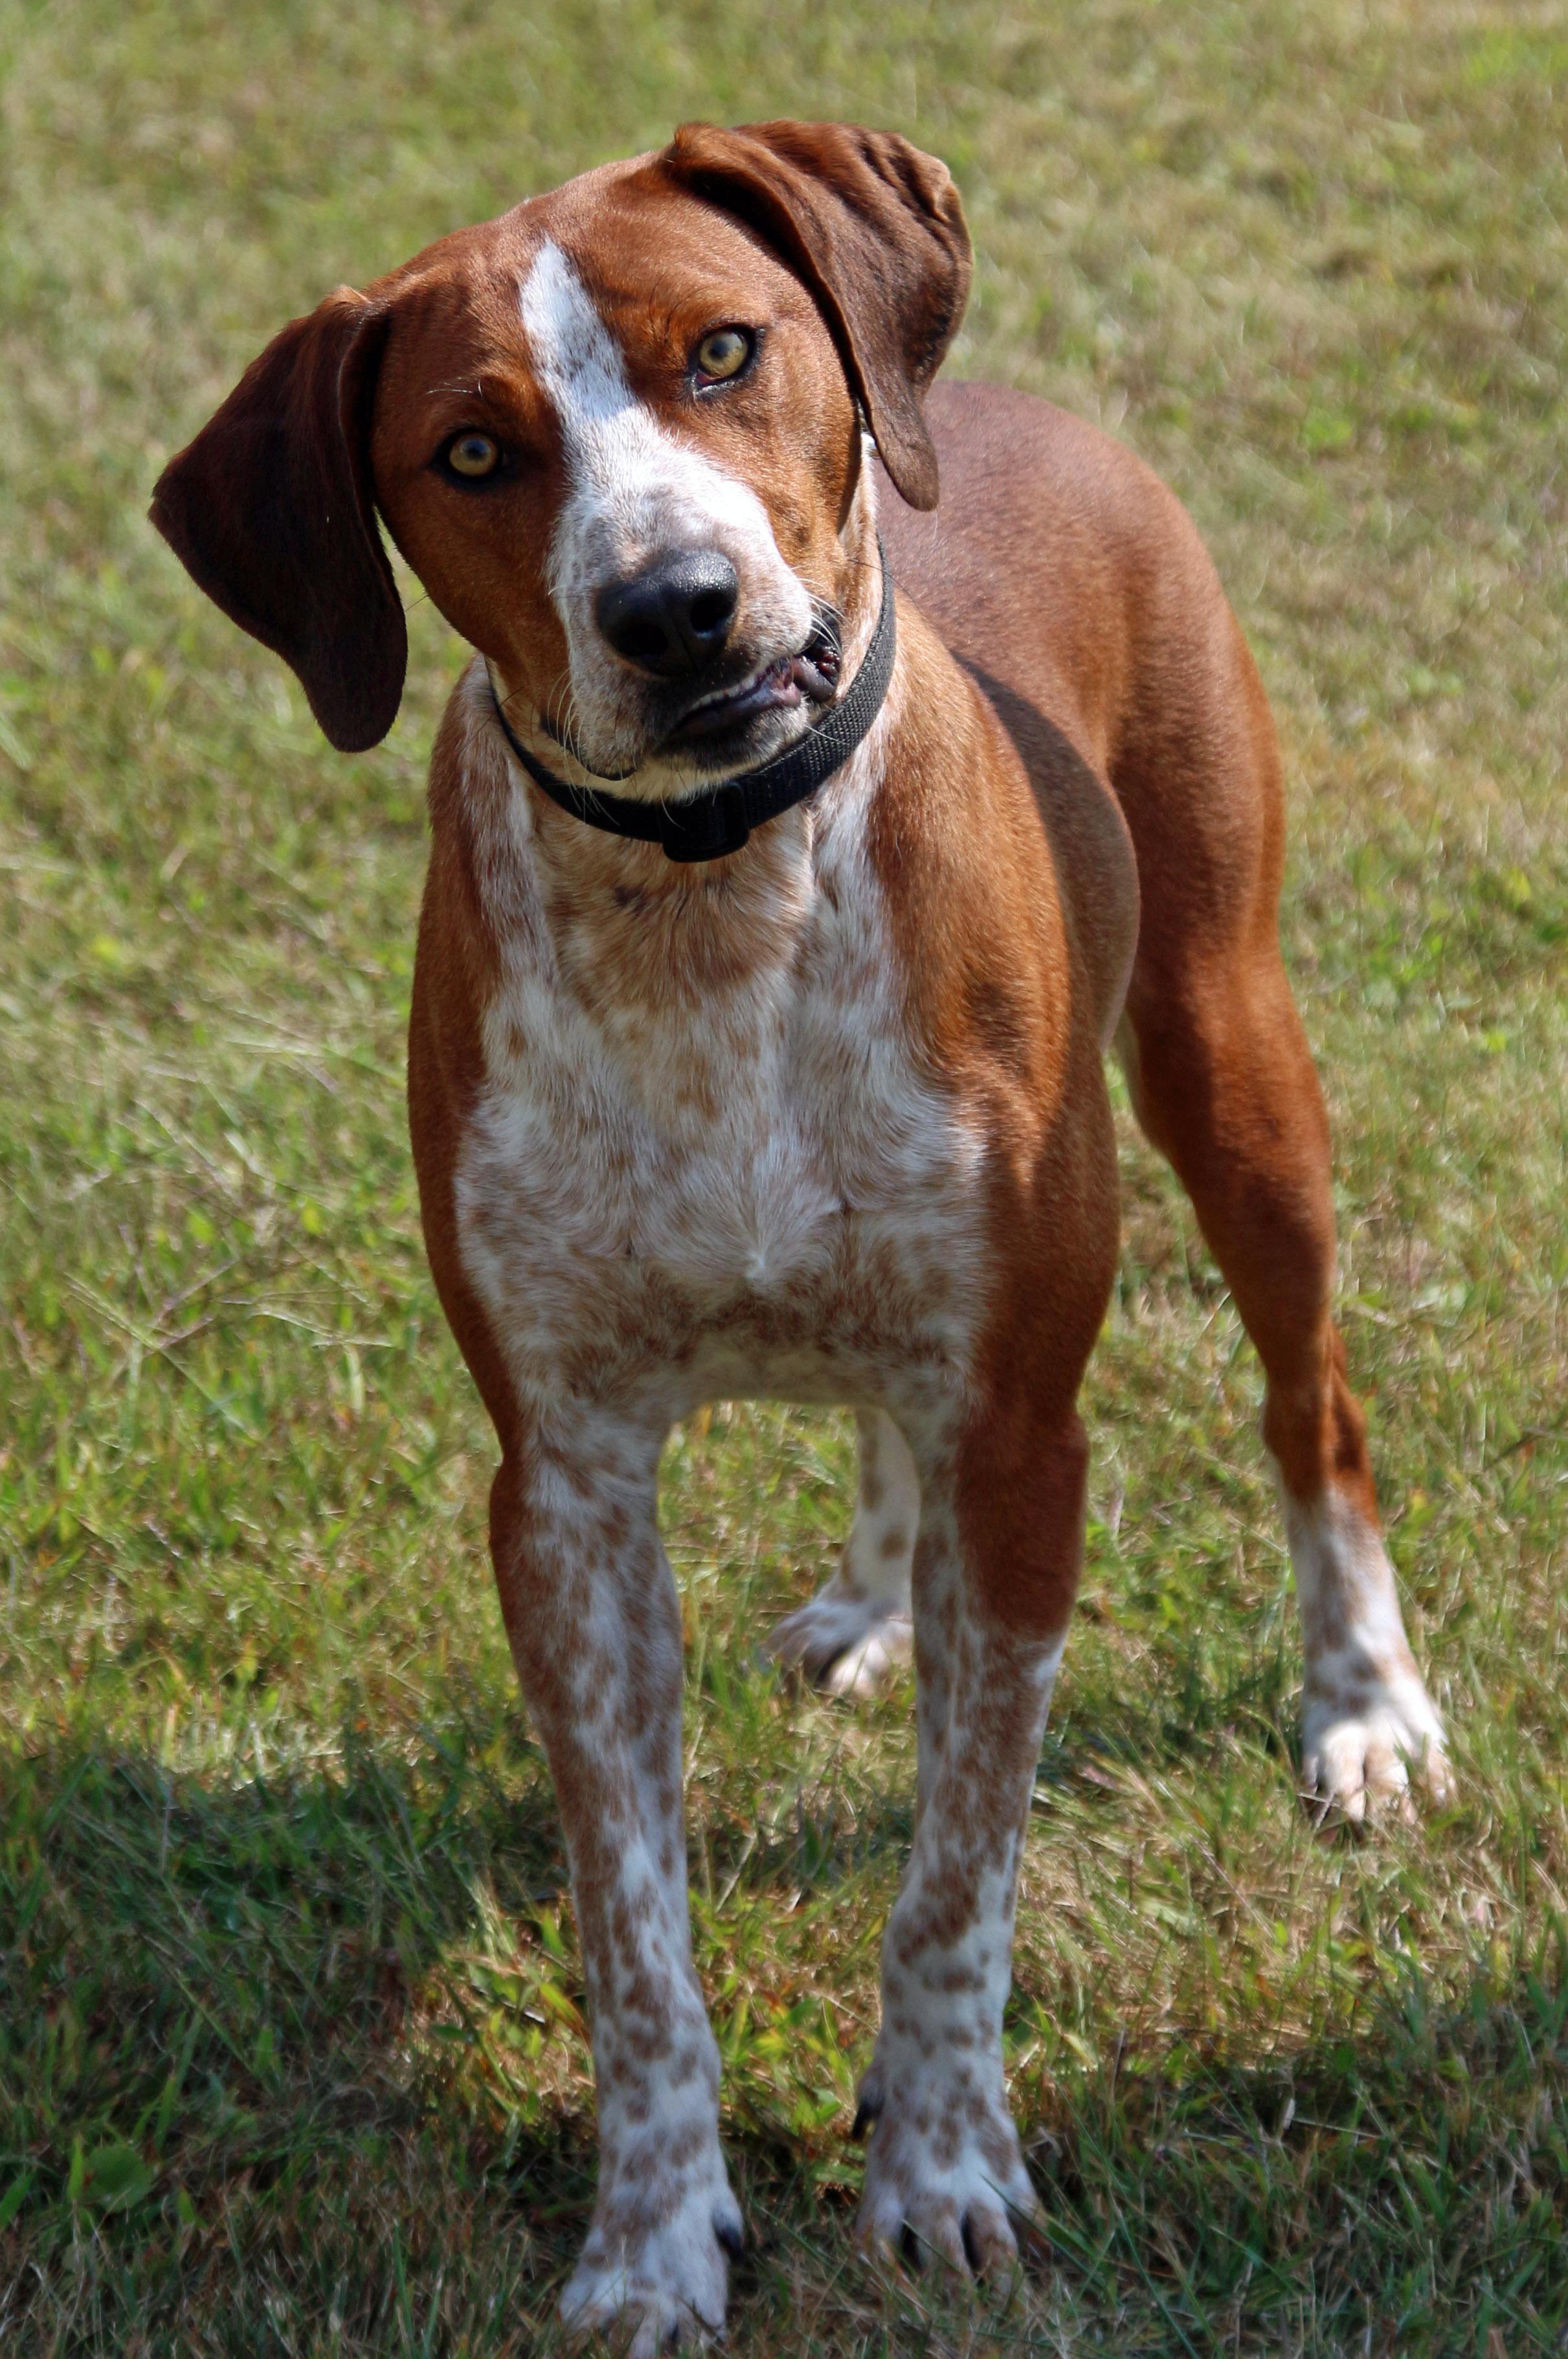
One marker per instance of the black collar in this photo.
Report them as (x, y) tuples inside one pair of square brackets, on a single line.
[(718, 820)]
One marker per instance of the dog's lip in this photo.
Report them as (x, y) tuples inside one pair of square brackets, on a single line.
[(774, 687)]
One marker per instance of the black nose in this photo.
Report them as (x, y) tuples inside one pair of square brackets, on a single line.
[(674, 617)]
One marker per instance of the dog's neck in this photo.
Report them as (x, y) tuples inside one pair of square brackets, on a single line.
[(636, 938)]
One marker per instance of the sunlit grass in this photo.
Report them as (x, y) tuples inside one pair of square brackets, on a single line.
[(291, 2056)]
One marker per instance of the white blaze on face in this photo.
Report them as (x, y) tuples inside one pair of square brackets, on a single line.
[(635, 491)]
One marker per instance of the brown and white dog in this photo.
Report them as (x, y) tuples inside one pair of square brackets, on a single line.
[(825, 1118)]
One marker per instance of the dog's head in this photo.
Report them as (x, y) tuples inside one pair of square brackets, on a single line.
[(618, 435)]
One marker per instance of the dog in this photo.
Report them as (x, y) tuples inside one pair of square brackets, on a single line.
[(798, 851)]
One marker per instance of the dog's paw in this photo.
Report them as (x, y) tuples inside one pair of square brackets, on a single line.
[(663, 2285), (1361, 1749), (870, 1667), (945, 2167), (843, 1643)]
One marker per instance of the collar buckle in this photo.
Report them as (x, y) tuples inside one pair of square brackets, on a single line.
[(710, 826)]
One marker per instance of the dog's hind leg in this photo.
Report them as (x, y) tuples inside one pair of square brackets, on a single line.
[(856, 1630), (1223, 1082)]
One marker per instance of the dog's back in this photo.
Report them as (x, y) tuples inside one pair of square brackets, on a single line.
[(1072, 586)]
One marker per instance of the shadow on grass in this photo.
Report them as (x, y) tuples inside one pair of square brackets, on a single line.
[(290, 2063), (1395, 2184), (237, 2014)]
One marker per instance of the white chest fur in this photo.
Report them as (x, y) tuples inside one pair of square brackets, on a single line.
[(736, 1181)]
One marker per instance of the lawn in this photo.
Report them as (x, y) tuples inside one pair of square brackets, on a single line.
[(292, 2054)]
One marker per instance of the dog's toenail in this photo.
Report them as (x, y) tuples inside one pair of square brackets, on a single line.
[(731, 2234)]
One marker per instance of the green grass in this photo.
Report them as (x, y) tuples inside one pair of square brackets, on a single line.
[(291, 2059)]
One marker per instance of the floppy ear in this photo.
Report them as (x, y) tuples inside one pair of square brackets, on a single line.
[(272, 511), (875, 230)]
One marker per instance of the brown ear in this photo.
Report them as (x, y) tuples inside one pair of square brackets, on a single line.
[(876, 230), (272, 511)]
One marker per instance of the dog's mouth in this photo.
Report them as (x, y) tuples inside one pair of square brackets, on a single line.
[(809, 677), (723, 728)]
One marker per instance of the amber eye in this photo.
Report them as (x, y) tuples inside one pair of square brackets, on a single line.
[(472, 456), (723, 353)]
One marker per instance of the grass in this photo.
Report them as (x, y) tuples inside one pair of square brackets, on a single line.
[(291, 2056)]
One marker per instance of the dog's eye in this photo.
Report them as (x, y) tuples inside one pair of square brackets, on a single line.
[(472, 456), (723, 353)]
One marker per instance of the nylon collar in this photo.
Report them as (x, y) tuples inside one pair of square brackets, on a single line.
[(718, 820)]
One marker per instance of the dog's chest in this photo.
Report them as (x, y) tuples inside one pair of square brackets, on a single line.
[(738, 1181)]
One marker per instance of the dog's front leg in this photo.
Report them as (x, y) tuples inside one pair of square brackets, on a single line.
[(992, 1593), (595, 1624)]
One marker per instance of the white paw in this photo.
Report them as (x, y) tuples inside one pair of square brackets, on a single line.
[(944, 2165), (870, 1667), (1361, 1746), (843, 1643), (663, 2276)]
